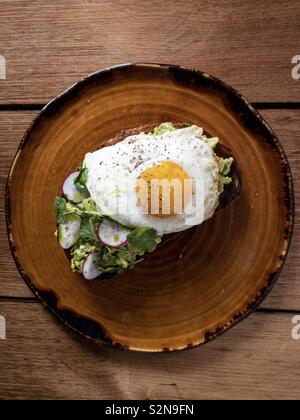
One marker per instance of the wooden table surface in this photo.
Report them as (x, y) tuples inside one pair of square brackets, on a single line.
[(48, 45)]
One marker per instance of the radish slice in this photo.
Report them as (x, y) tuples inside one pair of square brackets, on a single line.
[(113, 234), (89, 268), (70, 191), (68, 232)]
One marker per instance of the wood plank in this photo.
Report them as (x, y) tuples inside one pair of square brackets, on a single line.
[(12, 128), (286, 294), (41, 358), (50, 45)]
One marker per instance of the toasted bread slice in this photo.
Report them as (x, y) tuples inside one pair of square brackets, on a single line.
[(231, 191)]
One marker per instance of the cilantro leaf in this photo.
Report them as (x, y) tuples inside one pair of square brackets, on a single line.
[(88, 231), (60, 209), (81, 179), (143, 239)]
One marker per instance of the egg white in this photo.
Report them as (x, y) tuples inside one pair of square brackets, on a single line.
[(113, 172)]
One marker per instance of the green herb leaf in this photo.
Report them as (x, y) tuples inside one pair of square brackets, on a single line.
[(144, 239), (86, 208), (60, 209), (88, 230), (81, 179)]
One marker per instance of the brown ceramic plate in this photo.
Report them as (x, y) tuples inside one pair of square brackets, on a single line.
[(192, 288)]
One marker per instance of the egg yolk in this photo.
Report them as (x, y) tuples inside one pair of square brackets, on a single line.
[(162, 189)]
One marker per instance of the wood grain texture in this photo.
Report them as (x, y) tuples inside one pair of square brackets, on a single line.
[(41, 359), (60, 42), (12, 128), (285, 295)]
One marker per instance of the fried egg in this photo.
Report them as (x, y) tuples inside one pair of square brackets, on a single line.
[(126, 180)]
